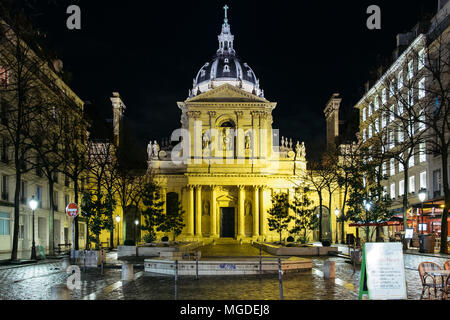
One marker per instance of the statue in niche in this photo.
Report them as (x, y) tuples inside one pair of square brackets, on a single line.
[(227, 140), (205, 208), (206, 140), (247, 141), (248, 209), (155, 149), (149, 150)]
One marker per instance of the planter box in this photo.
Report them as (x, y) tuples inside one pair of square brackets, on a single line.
[(90, 258), (126, 251), (154, 251), (295, 251)]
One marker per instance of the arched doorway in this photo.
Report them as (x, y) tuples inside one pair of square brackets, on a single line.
[(130, 228)]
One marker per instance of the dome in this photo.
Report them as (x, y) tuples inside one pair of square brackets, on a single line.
[(225, 67)]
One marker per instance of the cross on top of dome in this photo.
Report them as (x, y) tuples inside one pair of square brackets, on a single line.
[(226, 38)]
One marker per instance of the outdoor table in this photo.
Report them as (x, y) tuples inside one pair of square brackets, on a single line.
[(445, 276)]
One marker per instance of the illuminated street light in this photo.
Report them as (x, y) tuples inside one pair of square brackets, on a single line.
[(422, 197), (33, 205), (118, 221)]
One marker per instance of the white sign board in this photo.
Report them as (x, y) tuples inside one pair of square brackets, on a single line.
[(385, 271)]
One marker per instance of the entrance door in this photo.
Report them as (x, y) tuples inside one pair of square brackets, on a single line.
[(227, 222)]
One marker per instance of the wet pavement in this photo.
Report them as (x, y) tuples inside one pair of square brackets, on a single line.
[(35, 282)]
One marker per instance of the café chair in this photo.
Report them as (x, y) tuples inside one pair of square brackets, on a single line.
[(429, 282)]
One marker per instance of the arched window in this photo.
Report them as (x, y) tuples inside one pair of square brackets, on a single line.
[(226, 68)]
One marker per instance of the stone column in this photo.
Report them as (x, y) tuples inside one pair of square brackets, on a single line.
[(212, 148), (213, 227), (195, 131), (255, 211), (241, 221), (262, 213), (198, 211), (239, 136), (190, 221)]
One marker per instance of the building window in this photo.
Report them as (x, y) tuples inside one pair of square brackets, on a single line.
[(391, 139), (392, 88), (400, 135), (5, 195), (384, 95), (421, 93), (437, 182), (377, 125), (422, 152), (393, 190), (226, 68), (39, 196), (392, 113), (376, 103), (421, 60), (412, 184), (370, 131), (423, 180), (370, 109), (400, 108), (55, 200), (400, 80), (363, 114), (411, 159), (23, 192), (411, 128), (392, 167), (410, 70), (383, 120), (410, 97), (384, 169), (400, 167), (364, 135), (4, 224), (401, 187), (66, 200)]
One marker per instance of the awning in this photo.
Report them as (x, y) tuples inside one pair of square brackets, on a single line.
[(375, 224)]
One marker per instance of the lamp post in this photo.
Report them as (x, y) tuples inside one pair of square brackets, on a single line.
[(367, 205), (136, 222), (118, 225), (33, 205), (336, 212), (422, 197)]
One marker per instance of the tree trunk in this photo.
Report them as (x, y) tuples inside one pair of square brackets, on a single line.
[(444, 223), (320, 216), (342, 215), (75, 185), (51, 220), (16, 213)]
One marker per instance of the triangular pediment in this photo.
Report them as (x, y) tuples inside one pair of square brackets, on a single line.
[(226, 93)]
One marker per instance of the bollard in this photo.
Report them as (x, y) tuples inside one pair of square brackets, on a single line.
[(60, 292), (280, 279), (260, 263), (176, 279), (196, 265), (65, 263), (127, 271), (329, 270)]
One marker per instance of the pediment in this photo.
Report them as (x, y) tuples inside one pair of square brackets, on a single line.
[(226, 198), (226, 93)]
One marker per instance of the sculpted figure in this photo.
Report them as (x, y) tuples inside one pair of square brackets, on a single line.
[(155, 149), (149, 149)]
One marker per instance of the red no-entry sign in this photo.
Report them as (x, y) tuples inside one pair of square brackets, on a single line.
[(72, 210)]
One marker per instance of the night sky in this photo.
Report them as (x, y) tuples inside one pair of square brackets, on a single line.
[(150, 51)]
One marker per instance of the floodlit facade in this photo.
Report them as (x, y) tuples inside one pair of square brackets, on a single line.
[(392, 118), (33, 182)]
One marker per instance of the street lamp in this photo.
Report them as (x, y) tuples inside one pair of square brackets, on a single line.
[(118, 225), (336, 212), (136, 222), (422, 197), (33, 205), (367, 205)]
